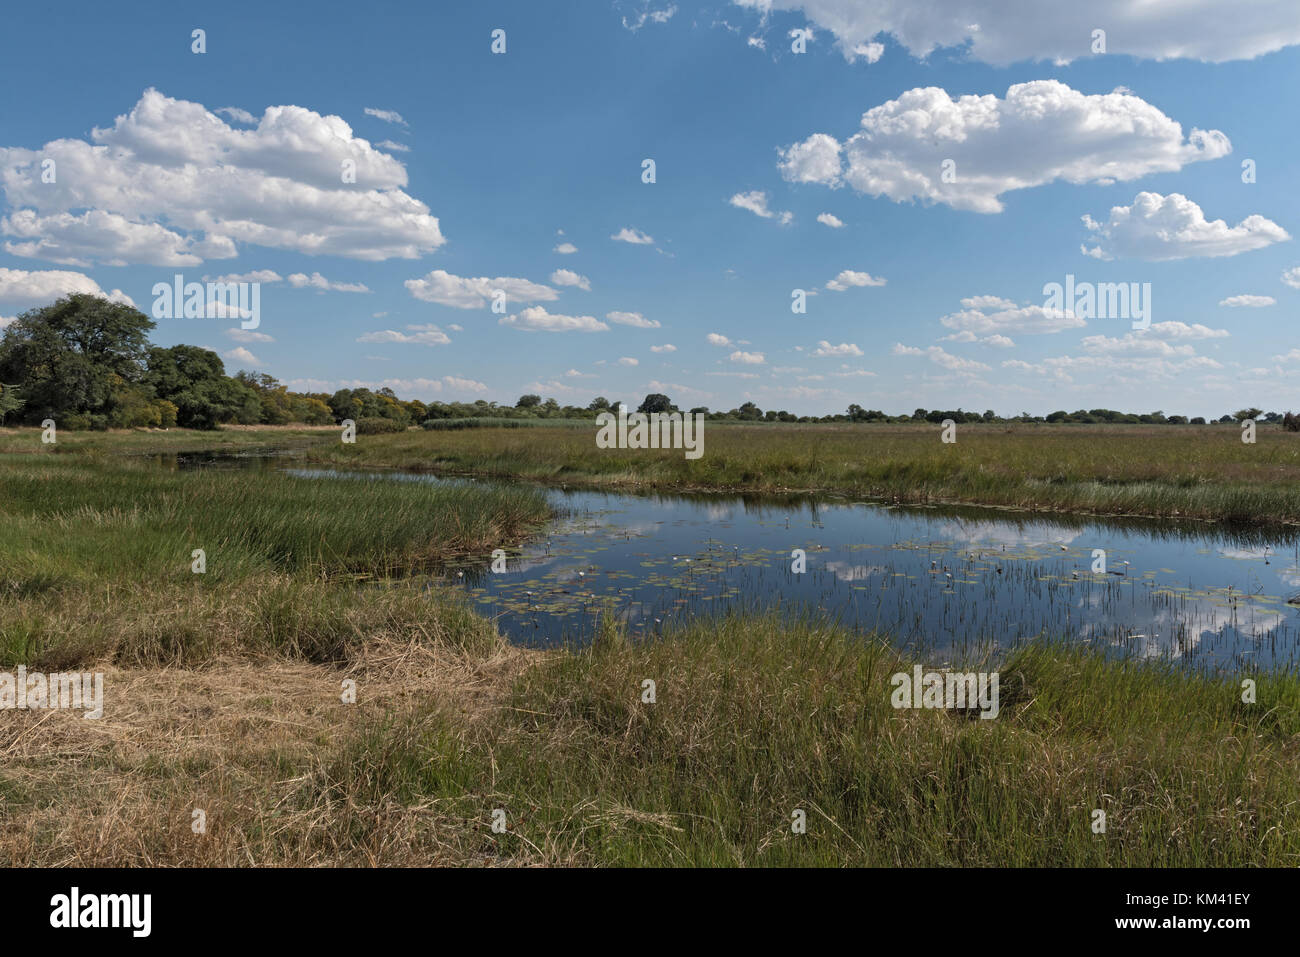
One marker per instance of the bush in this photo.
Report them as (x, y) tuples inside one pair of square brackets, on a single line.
[(377, 426), (1291, 422)]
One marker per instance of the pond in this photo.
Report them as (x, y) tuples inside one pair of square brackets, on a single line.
[(948, 583)]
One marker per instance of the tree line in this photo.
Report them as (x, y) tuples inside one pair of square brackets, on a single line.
[(87, 363)]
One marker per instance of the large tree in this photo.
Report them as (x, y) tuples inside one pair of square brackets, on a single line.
[(195, 381), (75, 355)]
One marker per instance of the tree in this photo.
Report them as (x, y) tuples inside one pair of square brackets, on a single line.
[(1242, 415), (195, 381), (68, 356), (656, 402), (528, 401), (599, 404), (11, 401)]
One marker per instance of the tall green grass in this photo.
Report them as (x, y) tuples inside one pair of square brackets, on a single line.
[(757, 718)]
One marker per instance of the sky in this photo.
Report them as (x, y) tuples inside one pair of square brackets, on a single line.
[(921, 172)]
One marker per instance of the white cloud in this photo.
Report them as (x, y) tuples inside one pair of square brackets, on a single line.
[(567, 277), (1254, 302), (666, 347), (263, 276), (998, 342), (824, 348), (22, 289), (831, 220), (1134, 344), (240, 354), (566, 249), (756, 202), (629, 235), (1181, 330), (848, 278), (171, 183), (247, 335), (419, 388), (316, 281), (537, 319), (388, 116), (422, 335), (445, 289), (936, 354), (1000, 33), (993, 315), (632, 319), (628, 361), (1292, 277), (1041, 132), (747, 358), (1158, 228), (393, 147), (648, 14), (715, 339)]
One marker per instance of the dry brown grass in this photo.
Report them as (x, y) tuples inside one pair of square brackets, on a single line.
[(236, 739)]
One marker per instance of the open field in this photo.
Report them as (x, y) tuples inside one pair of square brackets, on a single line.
[(223, 695)]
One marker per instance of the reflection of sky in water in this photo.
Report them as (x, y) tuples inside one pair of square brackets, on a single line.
[(945, 582)]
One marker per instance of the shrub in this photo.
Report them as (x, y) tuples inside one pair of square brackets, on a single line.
[(377, 426)]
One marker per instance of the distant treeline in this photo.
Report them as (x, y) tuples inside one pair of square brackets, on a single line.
[(87, 363)]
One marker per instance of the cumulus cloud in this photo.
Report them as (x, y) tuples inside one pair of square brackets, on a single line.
[(263, 276), (22, 289), (756, 202), (445, 289), (171, 183), (848, 278), (567, 277), (1292, 277), (747, 358), (993, 315), (1158, 228), (824, 348), (237, 115), (316, 281), (632, 319), (537, 319), (421, 335), (240, 354), (1041, 132), (635, 236), (831, 220), (716, 339), (1182, 330), (628, 361), (666, 347), (1254, 302), (938, 355), (1000, 33), (566, 249)]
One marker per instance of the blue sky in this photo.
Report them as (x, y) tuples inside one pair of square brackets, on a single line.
[(477, 166)]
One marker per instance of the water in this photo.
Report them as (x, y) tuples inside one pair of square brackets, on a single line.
[(949, 583)]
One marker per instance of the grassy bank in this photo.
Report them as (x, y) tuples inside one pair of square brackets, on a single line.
[(1198, 472), (1159, 471), (753, 720)]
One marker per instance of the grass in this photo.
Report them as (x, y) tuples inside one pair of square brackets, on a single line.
[(754, 719), (1156, 471), (223, 694)]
